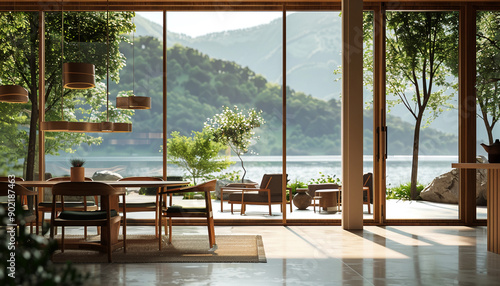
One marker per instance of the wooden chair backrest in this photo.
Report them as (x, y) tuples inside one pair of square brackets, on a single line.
[(7, 179), (66, 179), (272, 182), (367, 180), (19, 190), (83, 189)]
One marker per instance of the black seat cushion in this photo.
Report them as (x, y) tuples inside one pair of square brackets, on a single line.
[(85, 215), (181, 209), (139, 205), (66, 204)]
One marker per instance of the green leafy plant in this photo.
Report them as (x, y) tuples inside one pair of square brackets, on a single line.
[(233, 176), (198, 155), (403, 191), (32, 253), (234, 128), (75, 162), (293, 186), (324, 179)]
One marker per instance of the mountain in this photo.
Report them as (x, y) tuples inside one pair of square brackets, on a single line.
[(313, 54), (198, 86), (312, 57)]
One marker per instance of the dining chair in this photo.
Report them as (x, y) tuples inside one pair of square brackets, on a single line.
[(205, 211), (151, 206), (21, 193), (71, 203), (107, 217)]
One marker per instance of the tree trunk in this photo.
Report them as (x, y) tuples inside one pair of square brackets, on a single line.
[(32, 136), (244, 170), (414, 164)]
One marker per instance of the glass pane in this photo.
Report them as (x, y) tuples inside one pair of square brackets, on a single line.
[(17, 158), (217, 62), (313, 107), (422, 122), (135, 67), (487, 95)]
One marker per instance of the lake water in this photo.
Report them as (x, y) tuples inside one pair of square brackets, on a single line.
[(302, 168)]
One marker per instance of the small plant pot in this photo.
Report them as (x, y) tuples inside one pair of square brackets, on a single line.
[(77, 174)]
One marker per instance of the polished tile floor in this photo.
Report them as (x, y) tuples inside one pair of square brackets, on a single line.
[(328, 255)]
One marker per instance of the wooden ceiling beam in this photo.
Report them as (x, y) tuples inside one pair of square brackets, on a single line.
[(241, 5)]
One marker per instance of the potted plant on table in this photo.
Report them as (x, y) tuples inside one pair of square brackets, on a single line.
[(77, 170)]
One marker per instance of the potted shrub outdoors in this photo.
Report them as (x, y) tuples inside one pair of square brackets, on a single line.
[(77, 170)]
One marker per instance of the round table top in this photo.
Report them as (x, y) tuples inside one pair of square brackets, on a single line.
[(327, 190)]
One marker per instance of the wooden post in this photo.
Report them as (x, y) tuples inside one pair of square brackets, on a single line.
[(467, 113), (352, 114)]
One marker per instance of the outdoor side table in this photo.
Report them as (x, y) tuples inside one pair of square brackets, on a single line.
[(328, 200)]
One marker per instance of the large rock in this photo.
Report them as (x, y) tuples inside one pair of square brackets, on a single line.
[(106, 176), (445, 188)]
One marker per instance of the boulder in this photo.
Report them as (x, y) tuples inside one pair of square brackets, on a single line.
[(445, 188), (106, 176)]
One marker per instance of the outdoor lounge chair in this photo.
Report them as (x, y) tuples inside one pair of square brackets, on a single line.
[(269, 193), (368, 190)]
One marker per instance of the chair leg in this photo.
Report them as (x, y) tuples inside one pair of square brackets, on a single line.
[(108, 230), (62, 238), (159, 232), (169, 230), (211, 232)]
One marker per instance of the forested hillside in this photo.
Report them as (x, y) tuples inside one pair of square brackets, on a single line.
[(198, 86)]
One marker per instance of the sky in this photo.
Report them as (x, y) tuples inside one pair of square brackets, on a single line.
[(201, 23)]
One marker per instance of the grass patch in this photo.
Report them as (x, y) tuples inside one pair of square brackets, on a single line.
[(402, 192)]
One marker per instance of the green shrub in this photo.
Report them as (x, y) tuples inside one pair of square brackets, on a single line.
[(324, 179), (294, 185), (402, 192)]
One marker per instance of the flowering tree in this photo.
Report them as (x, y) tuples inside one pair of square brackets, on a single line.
[(234, 128)]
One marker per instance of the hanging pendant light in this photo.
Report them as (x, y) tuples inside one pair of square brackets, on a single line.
[(13, 93), (108, 126), (133, 101), (60, 125), (79, 75)]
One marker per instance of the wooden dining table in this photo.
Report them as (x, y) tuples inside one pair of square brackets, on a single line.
[(115, 184)]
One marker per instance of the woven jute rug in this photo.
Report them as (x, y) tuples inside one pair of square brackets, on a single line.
[(184, 248)]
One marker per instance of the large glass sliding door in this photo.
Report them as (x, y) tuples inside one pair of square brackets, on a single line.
[(422, 56), (313, 103), (487, 95)]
